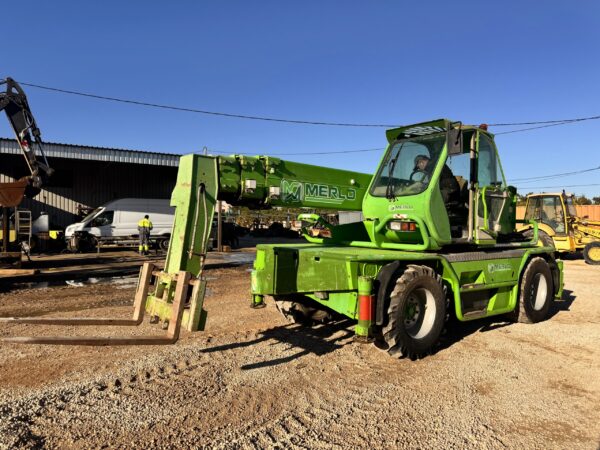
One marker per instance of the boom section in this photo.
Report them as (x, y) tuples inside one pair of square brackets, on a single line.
[(14, 103), (259, 181)]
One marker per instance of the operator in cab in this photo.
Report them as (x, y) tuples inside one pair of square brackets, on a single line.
[(448, 185), (144, 228)]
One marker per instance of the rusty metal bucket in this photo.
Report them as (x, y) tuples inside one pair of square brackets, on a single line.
[(11, 194)]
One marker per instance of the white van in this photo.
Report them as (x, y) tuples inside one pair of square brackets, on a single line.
[(118, 219)]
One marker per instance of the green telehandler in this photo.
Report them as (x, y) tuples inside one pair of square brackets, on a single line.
[(438, 239)]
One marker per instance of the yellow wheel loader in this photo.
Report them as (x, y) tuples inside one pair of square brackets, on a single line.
[(560, 226)]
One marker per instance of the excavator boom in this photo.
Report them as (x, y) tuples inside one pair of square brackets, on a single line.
[(14, 103)]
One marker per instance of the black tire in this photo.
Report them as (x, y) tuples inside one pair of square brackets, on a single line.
[(416, 314), (591, 253), (93, 243), (163, 243), (536, 293), (302, 312), (543, 237), (87, 243)]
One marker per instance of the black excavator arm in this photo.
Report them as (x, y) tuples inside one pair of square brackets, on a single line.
[(14, 102)]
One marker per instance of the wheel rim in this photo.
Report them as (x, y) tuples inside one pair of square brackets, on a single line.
[(540, 292), (594, 253), (419, 314)]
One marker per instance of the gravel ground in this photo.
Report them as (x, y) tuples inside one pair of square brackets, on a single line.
[(253, 381)]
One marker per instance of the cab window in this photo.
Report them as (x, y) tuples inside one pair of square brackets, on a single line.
[(552, 214), (106, 218), (571, 211), (488, 168), (533, 208), (400, 174)]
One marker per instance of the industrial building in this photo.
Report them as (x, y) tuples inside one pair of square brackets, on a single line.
[(86, 177)]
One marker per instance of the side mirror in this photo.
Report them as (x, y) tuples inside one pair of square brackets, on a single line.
[(455, 141)]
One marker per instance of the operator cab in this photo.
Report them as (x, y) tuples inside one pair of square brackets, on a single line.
[(551, 209), (449, 176)]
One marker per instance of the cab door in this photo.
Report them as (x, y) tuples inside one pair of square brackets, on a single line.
[(495, 211), (552, 214), (102, 225)]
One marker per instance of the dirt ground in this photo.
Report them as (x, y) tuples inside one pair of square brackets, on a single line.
[(253, 381)]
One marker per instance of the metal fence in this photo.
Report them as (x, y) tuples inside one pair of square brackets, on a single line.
[(592, 211)]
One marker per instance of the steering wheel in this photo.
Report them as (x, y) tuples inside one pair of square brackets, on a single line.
[(416, 171)]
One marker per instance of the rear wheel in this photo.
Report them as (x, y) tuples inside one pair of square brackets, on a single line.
[(543, 237), (591, 253), (535, 292), (302, 311), (416, 314)]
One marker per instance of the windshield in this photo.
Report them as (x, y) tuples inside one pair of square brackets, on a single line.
[(408, 166), (91, 215), (570, 207)]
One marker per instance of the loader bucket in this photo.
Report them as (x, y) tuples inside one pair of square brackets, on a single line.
[(11, 194), (144, 285)]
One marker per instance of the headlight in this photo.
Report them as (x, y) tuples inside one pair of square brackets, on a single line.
[(402, 225)]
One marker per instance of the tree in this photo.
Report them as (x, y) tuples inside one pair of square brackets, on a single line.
[(596, 200), (582, 200)]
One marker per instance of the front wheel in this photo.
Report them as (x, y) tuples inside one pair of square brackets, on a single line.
[(535, 292), (163, 243), (416, 314), (86, 242), (591, 253)]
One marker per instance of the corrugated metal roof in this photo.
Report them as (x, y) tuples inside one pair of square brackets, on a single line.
[(69, 151)]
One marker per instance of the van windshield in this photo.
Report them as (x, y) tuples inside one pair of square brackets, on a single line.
[(91, 215)]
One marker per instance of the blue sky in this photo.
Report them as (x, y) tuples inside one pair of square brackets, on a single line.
[(343, 61)]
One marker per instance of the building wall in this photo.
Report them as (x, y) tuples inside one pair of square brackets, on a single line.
[(90, 184)]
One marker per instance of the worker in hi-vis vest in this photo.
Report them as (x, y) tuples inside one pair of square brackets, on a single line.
[(144, 227)]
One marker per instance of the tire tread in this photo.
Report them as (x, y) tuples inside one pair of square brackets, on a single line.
[(389, 331)]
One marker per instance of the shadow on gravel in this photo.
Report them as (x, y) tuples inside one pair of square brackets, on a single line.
[(564, 304), (323, 339), (572, 256), (318, 340), (457, 331)]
